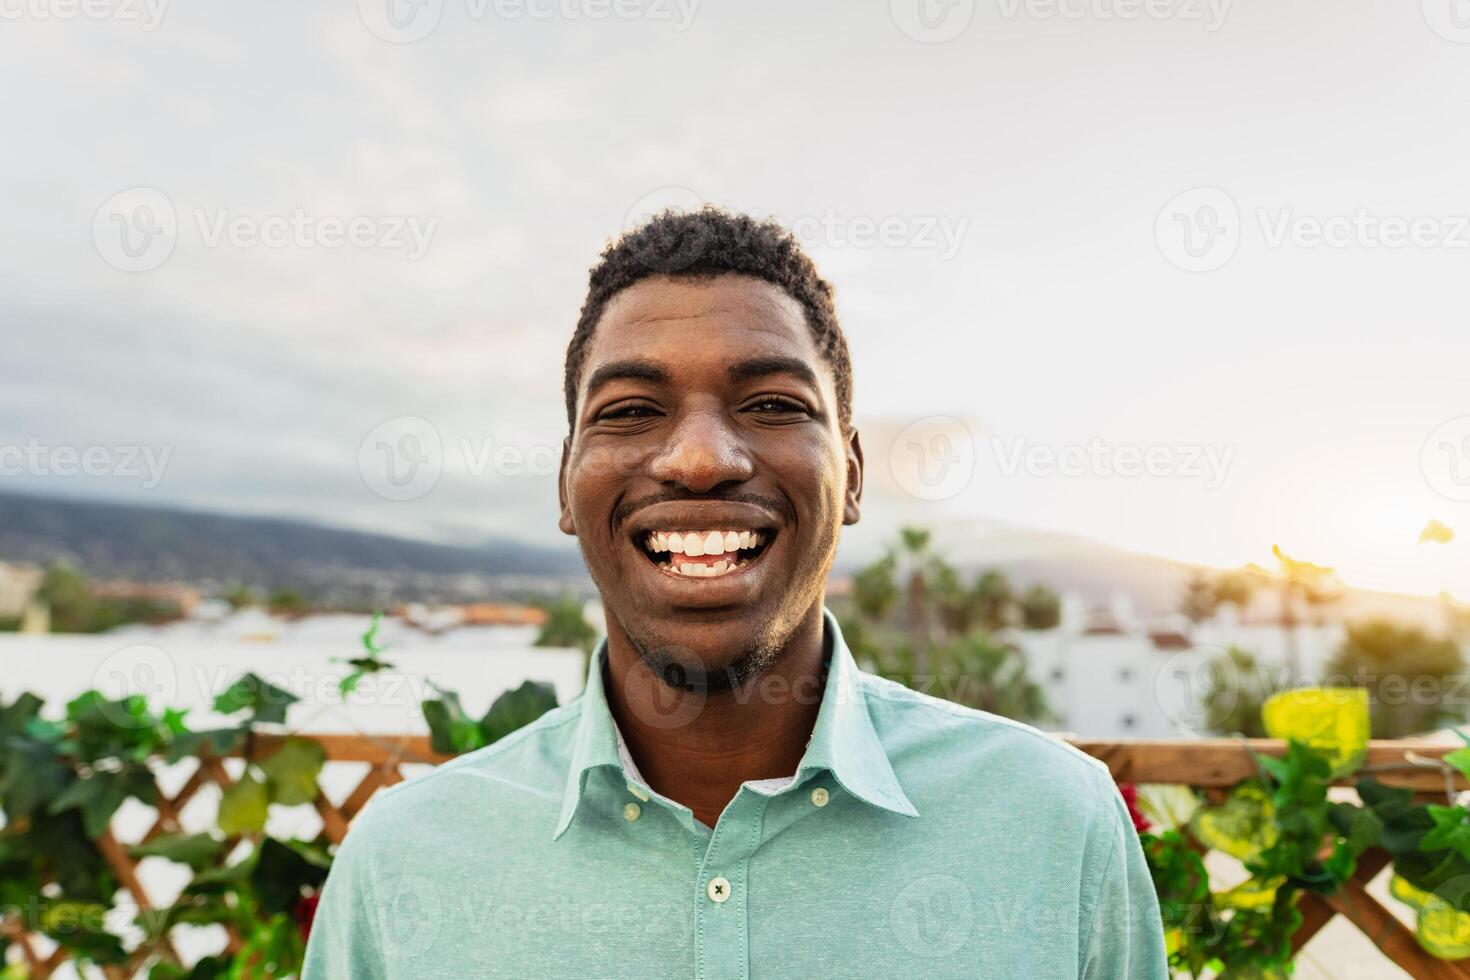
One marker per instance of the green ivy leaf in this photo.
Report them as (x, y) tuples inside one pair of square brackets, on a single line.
[(99, 796), (244, 806), (282, 872), (34, 775), (1460, 759), (516, 709), (451, 731), (198, 851), (1450, 832), (217, 742), (263, 700), (291, 772), (15, 716)]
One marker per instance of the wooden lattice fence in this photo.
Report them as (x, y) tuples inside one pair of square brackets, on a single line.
[(1212, 766)]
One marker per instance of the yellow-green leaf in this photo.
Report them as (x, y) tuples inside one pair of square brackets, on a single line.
[(292, 770), (1243, 826), (244, 806), (1443, 930), (1253, 893), (1410, 895), (1332, 720)]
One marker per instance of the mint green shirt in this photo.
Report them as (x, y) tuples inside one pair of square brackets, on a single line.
[(917, 839)]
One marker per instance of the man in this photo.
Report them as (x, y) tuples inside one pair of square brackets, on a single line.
[(731, 796)]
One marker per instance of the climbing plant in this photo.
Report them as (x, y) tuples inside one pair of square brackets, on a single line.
[(62, 780), (1293, 840)]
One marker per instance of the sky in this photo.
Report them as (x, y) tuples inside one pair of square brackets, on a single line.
[(1183, 276)]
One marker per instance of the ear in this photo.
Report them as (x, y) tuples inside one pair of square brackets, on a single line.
[(850, 509), (565, 522)]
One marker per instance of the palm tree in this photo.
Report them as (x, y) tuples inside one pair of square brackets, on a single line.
[(1302, 583)]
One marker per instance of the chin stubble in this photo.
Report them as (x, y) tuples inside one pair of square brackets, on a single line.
[(678, 669)]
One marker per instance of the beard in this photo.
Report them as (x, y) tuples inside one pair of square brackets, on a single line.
[(680, 669)]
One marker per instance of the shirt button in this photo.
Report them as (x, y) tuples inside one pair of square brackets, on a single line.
[(820, 796), (638, 791), (719, 890), (631, 812)]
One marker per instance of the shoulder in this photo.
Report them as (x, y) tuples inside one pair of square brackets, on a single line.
[(923, 732), (528, 764)]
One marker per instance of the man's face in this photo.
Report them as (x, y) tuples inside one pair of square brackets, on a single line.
[(707, 475)]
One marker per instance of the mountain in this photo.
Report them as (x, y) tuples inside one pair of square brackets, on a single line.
[(332, 565), (339, 566)]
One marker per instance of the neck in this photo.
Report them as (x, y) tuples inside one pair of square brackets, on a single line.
[(697, 749)]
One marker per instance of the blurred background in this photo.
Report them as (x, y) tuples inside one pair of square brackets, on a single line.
[(1156, 314)]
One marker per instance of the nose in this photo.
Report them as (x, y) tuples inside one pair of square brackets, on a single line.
[(703, 453)]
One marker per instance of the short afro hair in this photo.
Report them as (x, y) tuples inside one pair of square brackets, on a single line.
[(704, 244)]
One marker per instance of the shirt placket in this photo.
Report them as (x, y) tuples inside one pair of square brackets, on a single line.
[(722, 891)]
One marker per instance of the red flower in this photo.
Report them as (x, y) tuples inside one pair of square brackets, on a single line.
[(305, 912), (1130, 797)]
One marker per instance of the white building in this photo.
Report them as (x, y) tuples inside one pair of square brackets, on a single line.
[(1108, 674)]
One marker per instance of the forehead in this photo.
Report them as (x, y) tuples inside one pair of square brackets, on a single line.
[(726, 316)]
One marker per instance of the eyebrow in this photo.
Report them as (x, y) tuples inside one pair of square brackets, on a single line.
[(633, 370), (746, 370)]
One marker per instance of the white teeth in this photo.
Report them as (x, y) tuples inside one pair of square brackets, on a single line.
[(720, 567), (688, 568), (697, 544)]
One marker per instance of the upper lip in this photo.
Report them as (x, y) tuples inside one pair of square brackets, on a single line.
[(693, 515)]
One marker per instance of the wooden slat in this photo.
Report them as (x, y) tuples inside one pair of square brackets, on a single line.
[(1224, 762), (1316, 912), (1390, 935)]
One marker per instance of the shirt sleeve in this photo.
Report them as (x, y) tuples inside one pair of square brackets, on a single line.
[(1126, 939), (344, 941)]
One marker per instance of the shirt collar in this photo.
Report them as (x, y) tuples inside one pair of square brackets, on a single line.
[(843, 740)]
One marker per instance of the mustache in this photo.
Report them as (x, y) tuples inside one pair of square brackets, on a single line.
[(775, 505)]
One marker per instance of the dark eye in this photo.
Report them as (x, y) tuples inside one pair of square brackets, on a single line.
[(776, 404), (632, 411)]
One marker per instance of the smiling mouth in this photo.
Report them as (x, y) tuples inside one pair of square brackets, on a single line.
[(704, 554)]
